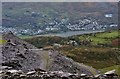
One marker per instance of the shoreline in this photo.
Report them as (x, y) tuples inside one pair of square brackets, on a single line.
[(70, 33)]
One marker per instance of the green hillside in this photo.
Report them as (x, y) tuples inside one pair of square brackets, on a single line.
[(101, 38), (101, 52), (96, 57)]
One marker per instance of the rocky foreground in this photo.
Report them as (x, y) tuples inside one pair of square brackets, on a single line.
[(9, 73), (20, 55), (21, 60)]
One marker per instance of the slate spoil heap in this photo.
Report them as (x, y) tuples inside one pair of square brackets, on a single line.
[(21, 60), (41, 74)]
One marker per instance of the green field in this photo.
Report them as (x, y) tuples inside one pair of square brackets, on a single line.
[(112, 34), (101, 38)]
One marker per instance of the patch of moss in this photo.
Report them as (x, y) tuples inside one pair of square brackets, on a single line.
[(2, 41)]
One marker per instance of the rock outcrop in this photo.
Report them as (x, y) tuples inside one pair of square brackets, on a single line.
[(23, 56)]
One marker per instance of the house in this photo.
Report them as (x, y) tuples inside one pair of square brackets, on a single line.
[(108, 15)]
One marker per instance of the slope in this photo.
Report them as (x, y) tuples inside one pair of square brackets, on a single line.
[(24, 56)]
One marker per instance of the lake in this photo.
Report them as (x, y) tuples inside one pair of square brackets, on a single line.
[(71, 33)]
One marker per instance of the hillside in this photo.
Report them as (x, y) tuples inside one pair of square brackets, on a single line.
[(107, 39), (21, 55), (91, 49), (40, 18)]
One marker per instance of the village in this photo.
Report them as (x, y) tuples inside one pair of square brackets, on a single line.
[(57, 26)]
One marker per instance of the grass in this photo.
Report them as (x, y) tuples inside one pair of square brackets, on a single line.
[(112, 34), (97, 57), (101, 38), (116, 67)]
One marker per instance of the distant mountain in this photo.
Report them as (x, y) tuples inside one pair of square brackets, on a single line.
[(21, 55), (44, 17)]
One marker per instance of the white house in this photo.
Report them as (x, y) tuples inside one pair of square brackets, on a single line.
[(108, 15)]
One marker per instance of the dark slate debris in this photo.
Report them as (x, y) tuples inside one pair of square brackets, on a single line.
[(41, 74)]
